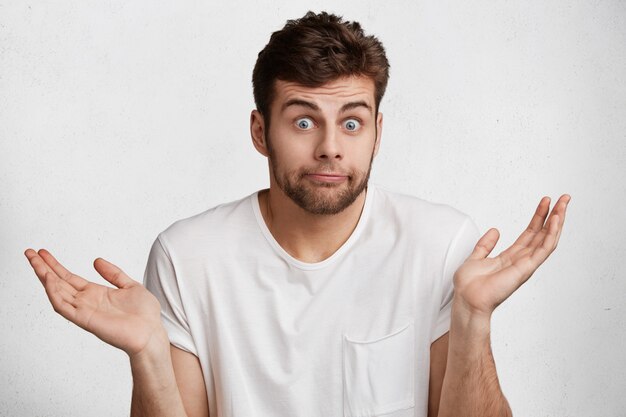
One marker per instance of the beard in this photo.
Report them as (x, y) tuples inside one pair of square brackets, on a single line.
[(320, 198)]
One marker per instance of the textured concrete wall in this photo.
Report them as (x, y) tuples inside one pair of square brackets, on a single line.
[(119, 117)]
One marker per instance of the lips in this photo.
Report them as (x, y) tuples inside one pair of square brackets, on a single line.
[(327, 177)]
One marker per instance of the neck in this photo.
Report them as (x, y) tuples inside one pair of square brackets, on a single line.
[(305, 236)]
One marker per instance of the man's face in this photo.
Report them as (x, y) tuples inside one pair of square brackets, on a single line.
[(321, 142)]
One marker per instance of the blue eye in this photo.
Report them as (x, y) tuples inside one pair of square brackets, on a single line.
[(352, 125), (304, 123)]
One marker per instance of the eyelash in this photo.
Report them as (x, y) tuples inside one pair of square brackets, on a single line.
[(301, 118), (358, 120)]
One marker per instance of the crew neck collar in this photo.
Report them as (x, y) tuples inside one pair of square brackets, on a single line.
[(363, 218)]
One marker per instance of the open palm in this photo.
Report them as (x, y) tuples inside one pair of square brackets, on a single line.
[(126, 317), (482, 283)]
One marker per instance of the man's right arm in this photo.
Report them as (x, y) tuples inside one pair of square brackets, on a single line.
[(155, 390), (168, 381)]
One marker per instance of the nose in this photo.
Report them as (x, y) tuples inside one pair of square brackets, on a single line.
[(329, 146)]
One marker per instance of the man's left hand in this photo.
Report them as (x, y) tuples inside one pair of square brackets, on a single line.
[(482, 283)]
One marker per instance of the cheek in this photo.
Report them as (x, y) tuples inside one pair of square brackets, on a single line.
[(287, 153), (290, 155), (288, 146), (362, 151), (364, 161)]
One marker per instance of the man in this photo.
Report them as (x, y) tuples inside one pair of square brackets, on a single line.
[(322, 295)]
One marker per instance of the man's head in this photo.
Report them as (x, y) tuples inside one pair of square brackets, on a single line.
[(320, 82)]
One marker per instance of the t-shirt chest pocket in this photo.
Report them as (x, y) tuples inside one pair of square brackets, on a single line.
[(379, 374)]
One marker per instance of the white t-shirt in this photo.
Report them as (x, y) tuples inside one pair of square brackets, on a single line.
[(348, 336)]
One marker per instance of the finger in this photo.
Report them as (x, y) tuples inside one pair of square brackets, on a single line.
[(485, 244), (566, 198), (558, 209), (536, 223), (63, 286), (516, 273), (59, 304), (113, 274), (541, 253), (39, 265), (67, 296), (73, 279), (65, 290)]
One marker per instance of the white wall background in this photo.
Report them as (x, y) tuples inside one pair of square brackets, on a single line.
[(119, 117)]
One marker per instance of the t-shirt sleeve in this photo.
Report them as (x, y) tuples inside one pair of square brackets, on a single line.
[(460, 248), (161, 280)]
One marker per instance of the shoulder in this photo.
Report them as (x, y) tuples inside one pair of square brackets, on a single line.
[(416, 213), (212, 224), (431, 234)]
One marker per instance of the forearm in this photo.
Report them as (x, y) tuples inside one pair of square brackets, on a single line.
[(470, 386), (155, 392)]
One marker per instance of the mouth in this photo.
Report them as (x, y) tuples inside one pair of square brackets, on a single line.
[(334, 178)]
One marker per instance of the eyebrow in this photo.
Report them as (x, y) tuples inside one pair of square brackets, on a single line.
[(348, 106), (354, 105)]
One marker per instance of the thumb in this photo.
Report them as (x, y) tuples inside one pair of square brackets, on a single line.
[(485, 244), (113, 274)]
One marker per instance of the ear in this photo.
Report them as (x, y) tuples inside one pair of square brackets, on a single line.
[(379, 132), (257, 132)]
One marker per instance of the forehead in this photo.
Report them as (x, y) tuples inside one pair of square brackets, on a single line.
[(339, 91)]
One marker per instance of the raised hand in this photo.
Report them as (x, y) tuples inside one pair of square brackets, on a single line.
[(127, 317), (482, 283)]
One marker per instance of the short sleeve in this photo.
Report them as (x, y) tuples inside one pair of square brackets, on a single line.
[(161, 280), (459, 249)]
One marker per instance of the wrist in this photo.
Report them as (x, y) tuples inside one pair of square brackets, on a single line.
[(153, 374), (156, 349), (467, 323)]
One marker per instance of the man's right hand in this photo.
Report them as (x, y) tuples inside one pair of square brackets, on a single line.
[(127, 317)]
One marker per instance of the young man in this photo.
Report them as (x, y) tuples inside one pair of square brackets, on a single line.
[(322, 295)]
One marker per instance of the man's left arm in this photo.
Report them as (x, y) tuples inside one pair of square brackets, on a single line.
[(470, 386)]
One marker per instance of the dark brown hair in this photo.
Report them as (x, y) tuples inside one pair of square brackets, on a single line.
[(314, 50)]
